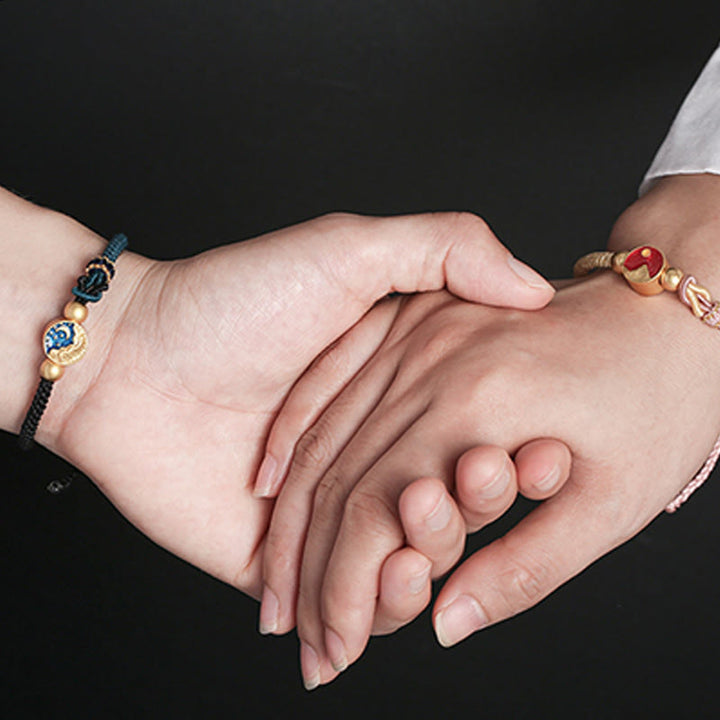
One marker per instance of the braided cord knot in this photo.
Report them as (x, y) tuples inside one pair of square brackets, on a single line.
[(99, 272)]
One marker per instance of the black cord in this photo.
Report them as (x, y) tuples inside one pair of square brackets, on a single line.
[(90, 288), (32, 419)]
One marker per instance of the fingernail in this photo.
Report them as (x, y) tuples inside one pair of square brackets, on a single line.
[(266, 477), (310, 666), (527, 274), (550, 480), (462, 617), (439, 517), (269, 611), (498, 485), (336, 650), (418, 582)]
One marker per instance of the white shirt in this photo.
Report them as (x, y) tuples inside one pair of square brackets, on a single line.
[(693, 143)]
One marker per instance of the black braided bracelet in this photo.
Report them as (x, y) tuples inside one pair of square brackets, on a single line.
[(65, 340)]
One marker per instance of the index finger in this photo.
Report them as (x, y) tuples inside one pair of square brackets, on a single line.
[(370, 531)]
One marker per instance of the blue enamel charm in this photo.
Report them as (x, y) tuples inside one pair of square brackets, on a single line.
[(64, 342), (59, 335)]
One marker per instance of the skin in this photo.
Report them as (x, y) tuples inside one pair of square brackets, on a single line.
[(487, 483), (190, 360), (627, 383)]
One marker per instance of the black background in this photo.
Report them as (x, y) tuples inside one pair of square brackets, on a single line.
[(190, 124)]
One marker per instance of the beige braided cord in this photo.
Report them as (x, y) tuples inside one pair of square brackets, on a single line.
[(593, 261)]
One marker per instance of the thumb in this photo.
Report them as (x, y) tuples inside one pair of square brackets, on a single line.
[(555, 542), (306, 285), (456, 250)]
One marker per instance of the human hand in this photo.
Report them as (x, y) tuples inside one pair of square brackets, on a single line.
[(190, 360), (624, 381), (435, 523), (487, 482)]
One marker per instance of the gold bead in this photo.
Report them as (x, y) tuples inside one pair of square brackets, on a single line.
[(671, 279), (75, 311), (50, 371)]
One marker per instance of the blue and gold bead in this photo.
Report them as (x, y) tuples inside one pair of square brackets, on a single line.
[(64, 341)]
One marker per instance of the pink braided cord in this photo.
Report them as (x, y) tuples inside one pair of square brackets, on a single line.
[(711, 316), (705, 304), (698, 480)]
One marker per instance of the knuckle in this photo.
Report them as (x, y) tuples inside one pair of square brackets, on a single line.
[(455, 228), (338, 216), (335, 361), (463, 222), (280, 558), (334, 221), (306, 612), (314, 450), (615, 512), (528, 584), (329, 495), (498, 387), (434, 347), (368, 512), (525, 582), (342, 610)]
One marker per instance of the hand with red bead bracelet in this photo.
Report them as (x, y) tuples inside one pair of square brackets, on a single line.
[(598, 369)]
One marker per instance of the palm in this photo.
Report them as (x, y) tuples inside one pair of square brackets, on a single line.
[(174, 427), (204, 351)]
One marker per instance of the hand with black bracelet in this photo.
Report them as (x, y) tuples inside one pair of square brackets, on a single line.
[(187, 362)]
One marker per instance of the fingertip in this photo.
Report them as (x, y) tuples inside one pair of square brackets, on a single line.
[(543, 467), (423, 500), (309, 666), (417, 578), (530, 279), (405, 590), (433, 523), (405, 572), (269, 478), (314, 667), (483, 473), (269, 612), (458, 619), (335, 649)]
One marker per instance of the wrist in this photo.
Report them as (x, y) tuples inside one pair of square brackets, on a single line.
[(680, 215), (43, 253)]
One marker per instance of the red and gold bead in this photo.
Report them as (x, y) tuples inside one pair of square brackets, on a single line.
[(644, 268)]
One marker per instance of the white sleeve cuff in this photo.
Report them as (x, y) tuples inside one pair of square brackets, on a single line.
[(693, 143)]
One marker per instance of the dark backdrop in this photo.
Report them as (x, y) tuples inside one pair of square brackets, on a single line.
[(190, 124)]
